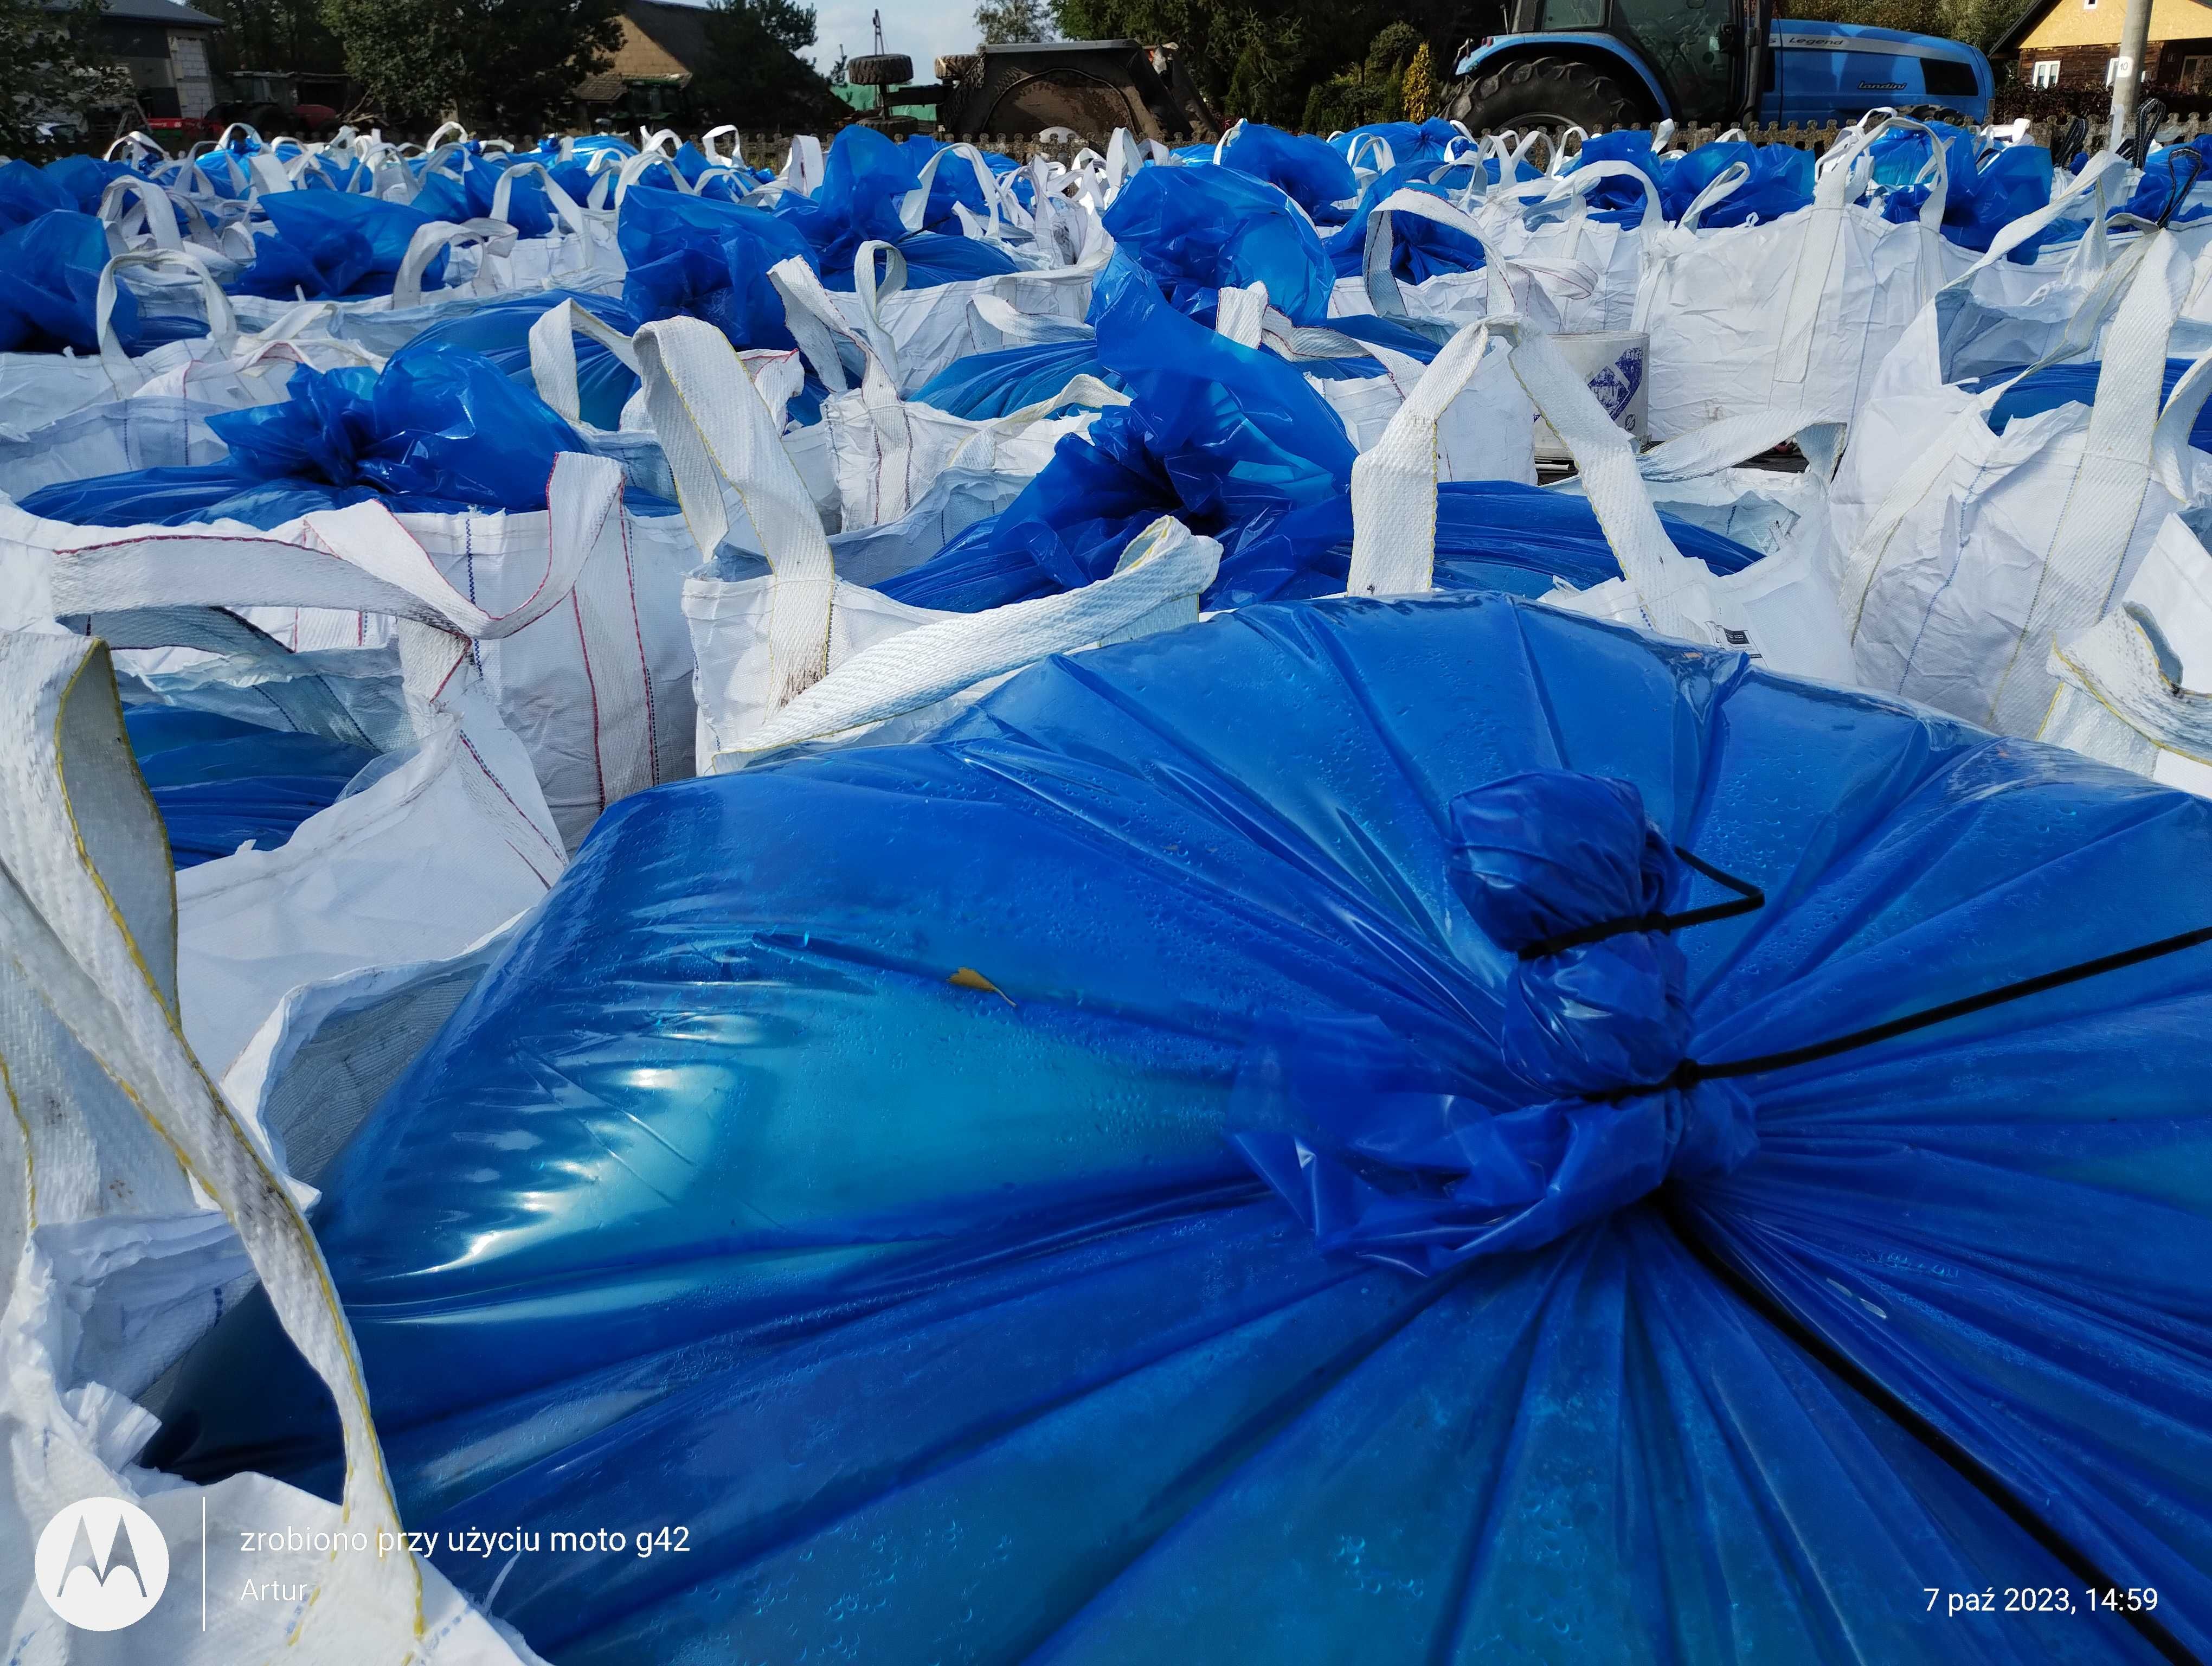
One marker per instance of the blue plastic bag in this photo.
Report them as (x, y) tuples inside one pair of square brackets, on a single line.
[(328, 245), (1044, 1266), (27, 192), (50, 271), (987, 384), (1781, 182), (443, 196), (84, 179), (693, 257), (1980, 200), (1425, 142), (1200, 228), (2073, 383), (865, 178), (1419, 249), (500, 331), (441, 431), (1303, 167), (218, 783), (1238, 445)]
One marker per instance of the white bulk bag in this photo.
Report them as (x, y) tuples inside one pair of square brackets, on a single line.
[(884, 451), (918, 332), (800, 655), (2134, 689), (136, 1206), (595, 679), (1780, 610), (1487, 433), (36, 388), (1590, 270), (1792, 314), (1982, 549)]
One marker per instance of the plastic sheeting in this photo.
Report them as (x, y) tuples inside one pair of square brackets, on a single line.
[(913, 1255), (440, 431), (219, 782), (985, 385), (866, 179)]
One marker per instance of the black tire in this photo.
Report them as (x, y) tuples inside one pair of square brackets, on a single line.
[(1553, 92), (879, 69)]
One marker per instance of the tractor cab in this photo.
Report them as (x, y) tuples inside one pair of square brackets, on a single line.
[(1595, 63)]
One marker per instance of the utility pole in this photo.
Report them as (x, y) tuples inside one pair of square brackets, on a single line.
[(2128, 71)]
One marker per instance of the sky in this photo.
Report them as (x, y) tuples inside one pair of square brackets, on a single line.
[(923, 29)]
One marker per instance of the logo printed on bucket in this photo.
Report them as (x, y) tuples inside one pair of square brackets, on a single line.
[(101, 1564)]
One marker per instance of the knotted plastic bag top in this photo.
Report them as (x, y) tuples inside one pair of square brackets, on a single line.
[(1565, 872)]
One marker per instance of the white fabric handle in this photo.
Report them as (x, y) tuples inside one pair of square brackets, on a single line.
[(1724, 444), (634, 168), (88, 927), (1384, 293), (2123, 662), (1165, 565), (914, 207), (817, 325), (707, 145), (714, 427), (153, 202), (1240, 315), (460, 136), (222, 322), (872, 293), (496, 235), (803, 169), (1393, 483), (570, 211), (553, 353)]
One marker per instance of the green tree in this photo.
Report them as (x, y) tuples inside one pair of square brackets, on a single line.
[(1008, 20), (1278, 52), (51, 65), (511, 66), (1977, 22), (274, 34), (753, 74), (1419, 86)]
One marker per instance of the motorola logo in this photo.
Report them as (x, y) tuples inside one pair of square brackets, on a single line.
[(101, 1564)]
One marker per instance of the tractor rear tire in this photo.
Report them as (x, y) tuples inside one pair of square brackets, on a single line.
[(1553, 93), (880, 70)]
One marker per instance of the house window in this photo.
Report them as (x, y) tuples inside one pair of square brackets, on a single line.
[(2046, 73), (2195, 72)]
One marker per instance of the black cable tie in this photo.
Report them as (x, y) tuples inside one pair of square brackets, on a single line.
[(1688, 1073), (1749, 897)]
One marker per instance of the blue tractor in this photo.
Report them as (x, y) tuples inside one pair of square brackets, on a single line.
[(1600, 64)]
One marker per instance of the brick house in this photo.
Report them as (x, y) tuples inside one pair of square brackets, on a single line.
[(2075, 43)]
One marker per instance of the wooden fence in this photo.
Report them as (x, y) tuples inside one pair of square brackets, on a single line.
[(770, 151)]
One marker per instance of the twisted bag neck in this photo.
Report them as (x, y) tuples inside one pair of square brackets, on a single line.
[(1590, 1109)]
